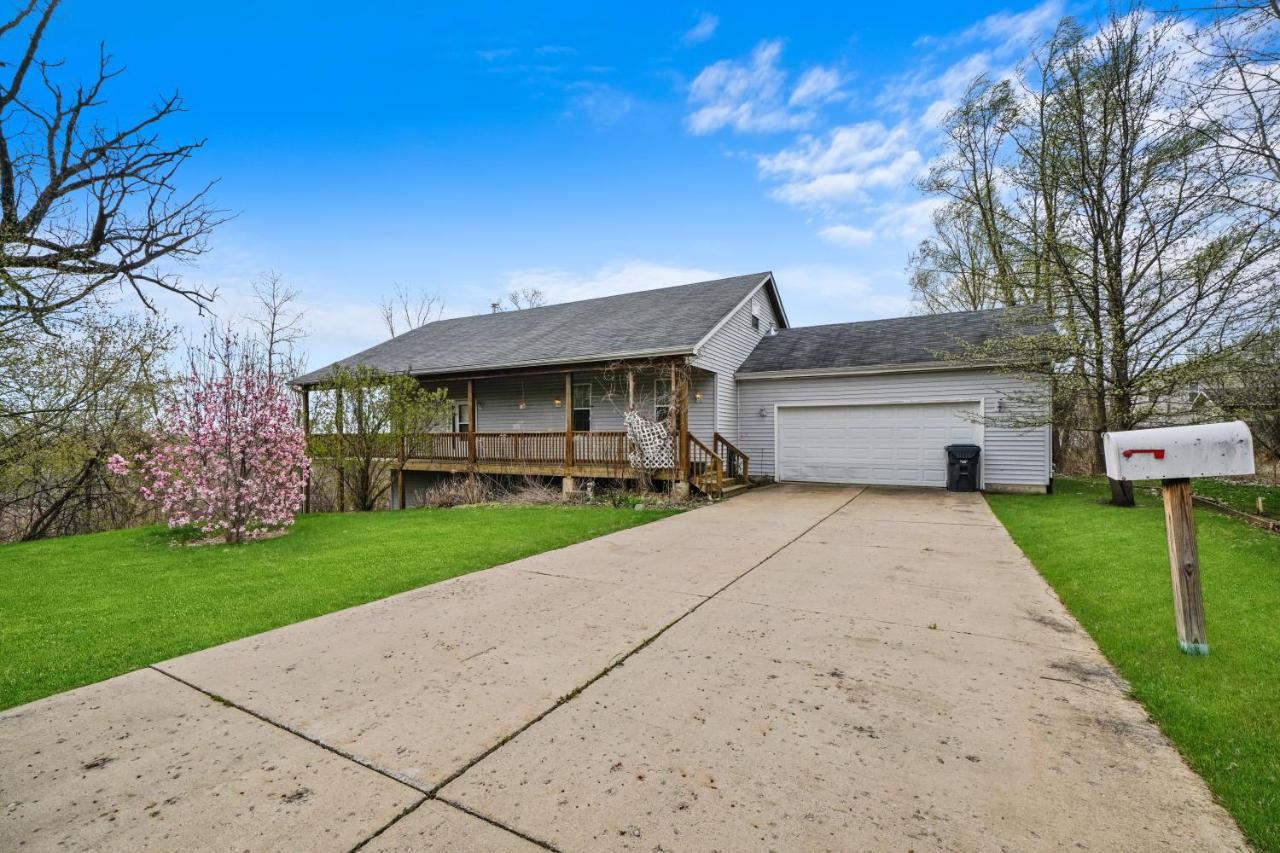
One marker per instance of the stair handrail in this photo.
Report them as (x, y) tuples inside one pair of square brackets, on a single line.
[(717, 466), (731, 453)]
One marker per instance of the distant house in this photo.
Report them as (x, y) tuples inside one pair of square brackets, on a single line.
[(543, 391)]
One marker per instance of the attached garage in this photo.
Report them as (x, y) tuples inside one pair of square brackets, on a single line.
[(877, 402), (874, 444)]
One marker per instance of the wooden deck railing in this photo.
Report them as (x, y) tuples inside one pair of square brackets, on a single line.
[(589, 448), (709, 467)]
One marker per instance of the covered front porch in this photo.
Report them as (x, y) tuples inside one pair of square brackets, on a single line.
[(569, 423)]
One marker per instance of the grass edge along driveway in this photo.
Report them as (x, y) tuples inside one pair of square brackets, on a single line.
[(80, 609), (1110, 567)]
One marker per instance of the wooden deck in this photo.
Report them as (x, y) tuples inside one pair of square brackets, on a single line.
[(585, 454), (601, 454)]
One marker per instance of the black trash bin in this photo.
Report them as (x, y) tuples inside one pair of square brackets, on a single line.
[(962, 467)]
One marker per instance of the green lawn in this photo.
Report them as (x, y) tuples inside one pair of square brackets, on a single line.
[(1242, 496), (83, 608), (1110, 566)]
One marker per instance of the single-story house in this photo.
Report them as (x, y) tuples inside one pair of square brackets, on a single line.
[(543, 391)]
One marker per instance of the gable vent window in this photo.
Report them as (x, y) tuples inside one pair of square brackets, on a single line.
[(755, 317)]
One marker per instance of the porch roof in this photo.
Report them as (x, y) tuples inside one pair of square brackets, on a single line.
[(649, 323)]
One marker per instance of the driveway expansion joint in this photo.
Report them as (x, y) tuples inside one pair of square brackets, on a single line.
[(433, 793), (328, 747), (404, 813), (492, 822), (621, 659)]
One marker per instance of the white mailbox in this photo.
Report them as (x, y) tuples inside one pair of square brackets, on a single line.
[(1170, 453)]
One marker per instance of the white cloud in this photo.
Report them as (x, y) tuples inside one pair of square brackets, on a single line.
[(561, 285), (602, 104), (908, 221), (843, 164), (1013, 31), (826, 280), (848, 236), (496, 53), (816, 86), (858, 176), (751, 96), (702, 31)]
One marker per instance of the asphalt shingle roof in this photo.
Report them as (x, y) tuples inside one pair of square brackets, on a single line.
[(666, 320), (902, 340)]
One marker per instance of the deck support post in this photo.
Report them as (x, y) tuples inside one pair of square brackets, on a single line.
[(306, 436), (471, 421), (1184, 566), (568, 427)]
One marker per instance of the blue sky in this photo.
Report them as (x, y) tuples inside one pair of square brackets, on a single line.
[(473, 148)]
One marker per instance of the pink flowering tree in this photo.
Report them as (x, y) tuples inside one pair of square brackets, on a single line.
[(229, 458)]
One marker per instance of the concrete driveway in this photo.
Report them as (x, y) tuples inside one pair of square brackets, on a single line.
[(799, 668)]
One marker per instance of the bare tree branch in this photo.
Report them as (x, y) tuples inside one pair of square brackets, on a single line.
[(405, 310), (84, 207)]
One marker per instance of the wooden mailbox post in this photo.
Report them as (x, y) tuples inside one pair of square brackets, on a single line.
[(1173, 455)]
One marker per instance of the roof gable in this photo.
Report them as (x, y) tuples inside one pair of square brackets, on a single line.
[(669, 320)]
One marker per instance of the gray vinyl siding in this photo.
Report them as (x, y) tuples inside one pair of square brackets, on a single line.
[(498, 401), (1011, 454), (725, 351)]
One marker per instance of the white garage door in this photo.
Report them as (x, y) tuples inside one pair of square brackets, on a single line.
[(893, 445)]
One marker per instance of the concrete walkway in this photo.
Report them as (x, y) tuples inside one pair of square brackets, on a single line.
[(799, 668)]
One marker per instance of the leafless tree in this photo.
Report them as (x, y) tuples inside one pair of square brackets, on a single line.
[(405, 309), (280, 326), (974, 236), (519, 299), (84, 204), (1096, 190), (1240, 50)]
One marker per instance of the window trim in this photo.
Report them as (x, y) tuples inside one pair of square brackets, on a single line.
[(578, 388), (460, 417), (663, 398)]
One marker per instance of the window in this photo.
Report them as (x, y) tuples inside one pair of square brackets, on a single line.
[(460, 419), (755, 316), (582, 407), (661, 399)]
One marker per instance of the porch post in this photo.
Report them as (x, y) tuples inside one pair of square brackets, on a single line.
[(471, 421), (568, 427), (631, 389), (306, 437), (339, 419), (680, 402), (683, 456)]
